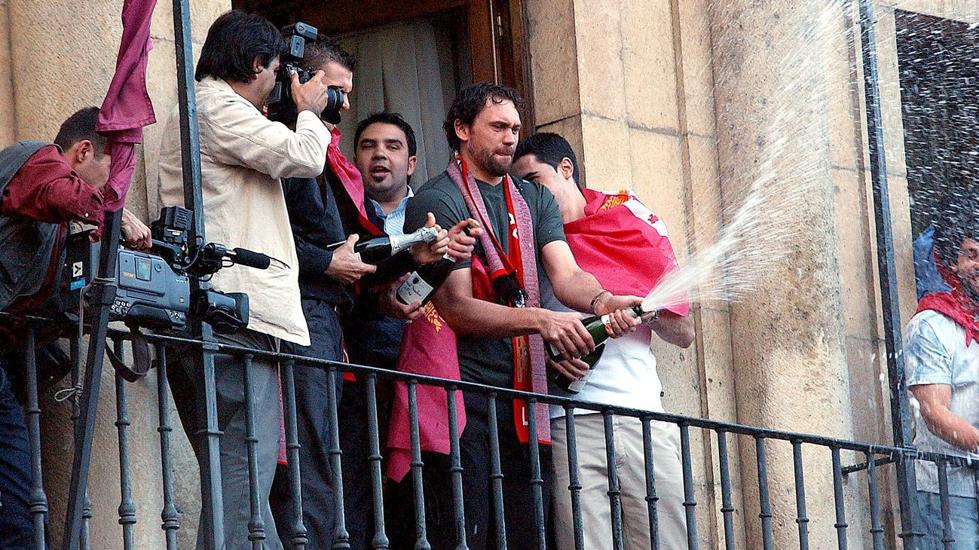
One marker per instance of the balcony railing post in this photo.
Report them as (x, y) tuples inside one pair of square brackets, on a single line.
[(536, 476), (256, 524), (300, 537), (614, 492), (38, 502), (418, 488), (876, 530), (76, 381), (169, 514), (838, 500), (380, 540), (455, 458), (948, 536), (800, 496), (574, 482), (900, 413), (689, 498), (651, 498), (763, 499), (727, 508), (496, 472), (341, 538), (127, 508)]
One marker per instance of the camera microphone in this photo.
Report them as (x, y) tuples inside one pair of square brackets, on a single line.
[(248, 258)]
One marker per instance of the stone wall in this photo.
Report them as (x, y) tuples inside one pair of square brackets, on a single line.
[(632, 87)]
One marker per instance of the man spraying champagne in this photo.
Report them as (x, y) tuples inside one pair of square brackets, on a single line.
[(625, 245)]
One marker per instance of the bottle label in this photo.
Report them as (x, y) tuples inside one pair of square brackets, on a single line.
[(414, 289), (579, 384)]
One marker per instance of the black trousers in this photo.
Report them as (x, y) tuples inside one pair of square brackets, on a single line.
[(479, 501), (358, 489), (16, 528), (312, 413)]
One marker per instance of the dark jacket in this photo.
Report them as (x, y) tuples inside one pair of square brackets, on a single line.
[(316, 223), (27, 244), (321, 214)]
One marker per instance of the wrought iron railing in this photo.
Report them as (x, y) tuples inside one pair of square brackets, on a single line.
[(875, 461)]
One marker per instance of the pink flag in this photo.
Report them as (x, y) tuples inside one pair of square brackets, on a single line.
[(623, 244), (127, 107), (429, 348)]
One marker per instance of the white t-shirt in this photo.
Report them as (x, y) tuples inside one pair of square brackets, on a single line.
[(625, 376), (935, 353)]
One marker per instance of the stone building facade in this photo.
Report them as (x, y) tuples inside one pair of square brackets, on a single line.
[(672, 96)]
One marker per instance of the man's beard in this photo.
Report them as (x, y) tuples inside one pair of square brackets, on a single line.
[(968, 285), (490, 163)]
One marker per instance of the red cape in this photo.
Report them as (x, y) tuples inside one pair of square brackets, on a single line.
[(623, 244)]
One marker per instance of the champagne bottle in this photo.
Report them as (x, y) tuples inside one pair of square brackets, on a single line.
[(422, 283), (595, 325), (378, 249)]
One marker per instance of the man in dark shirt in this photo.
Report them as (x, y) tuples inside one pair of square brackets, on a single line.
[(43, 187), (482, 305), (323, 211)]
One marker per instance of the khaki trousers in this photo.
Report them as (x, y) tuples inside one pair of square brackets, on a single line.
[(593, 476)]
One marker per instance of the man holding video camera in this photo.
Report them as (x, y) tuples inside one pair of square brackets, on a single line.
[(43, 187), (243, 157)]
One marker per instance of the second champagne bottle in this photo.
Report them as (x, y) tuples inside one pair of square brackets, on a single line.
[(377, 249)]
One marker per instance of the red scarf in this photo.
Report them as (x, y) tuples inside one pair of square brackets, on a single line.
[(956, 304), (350, 177)]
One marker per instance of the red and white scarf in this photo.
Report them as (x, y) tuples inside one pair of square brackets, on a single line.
[(520, 260)]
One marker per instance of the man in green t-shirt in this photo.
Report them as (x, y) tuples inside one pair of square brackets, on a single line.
[(482, 302)]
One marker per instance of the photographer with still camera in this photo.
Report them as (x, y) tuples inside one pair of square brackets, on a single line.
[(43, 187), (243, 157)]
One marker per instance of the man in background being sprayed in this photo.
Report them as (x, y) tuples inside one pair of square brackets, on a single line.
[(942, 362), (622, 243)]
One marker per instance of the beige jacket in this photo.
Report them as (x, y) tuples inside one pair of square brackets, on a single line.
[(243, 155)]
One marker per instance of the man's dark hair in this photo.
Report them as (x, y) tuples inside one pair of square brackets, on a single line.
[(233, 42), (324, 50), (470, 101), (550, 149), (960, 222), (81, 126), (394, 119)]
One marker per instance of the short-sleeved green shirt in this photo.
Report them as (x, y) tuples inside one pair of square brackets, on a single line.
[(482, 360)]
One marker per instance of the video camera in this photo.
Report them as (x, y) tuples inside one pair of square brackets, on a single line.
[(280, 103), (153, 290)]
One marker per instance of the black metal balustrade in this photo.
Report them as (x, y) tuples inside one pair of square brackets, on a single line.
[(877, 461)]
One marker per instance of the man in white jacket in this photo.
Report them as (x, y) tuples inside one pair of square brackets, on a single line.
[(243, 155)]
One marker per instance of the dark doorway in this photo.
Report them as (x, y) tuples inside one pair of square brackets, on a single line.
[(939, 74)]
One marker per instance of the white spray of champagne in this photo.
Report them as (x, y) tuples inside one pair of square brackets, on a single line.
[(759, 232)]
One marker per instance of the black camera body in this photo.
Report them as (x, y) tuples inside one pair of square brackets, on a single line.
[(280, 104), (153, 289)]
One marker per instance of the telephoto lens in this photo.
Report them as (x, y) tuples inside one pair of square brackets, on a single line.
[(335, 98)]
